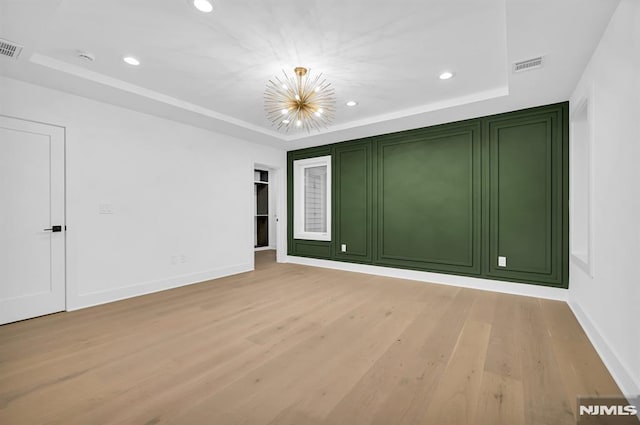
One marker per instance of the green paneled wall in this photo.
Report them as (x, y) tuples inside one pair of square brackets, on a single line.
[(352, 194), (428, 206), (526, 195), (452, 198)]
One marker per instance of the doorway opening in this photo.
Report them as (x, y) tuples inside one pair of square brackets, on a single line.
[(261, 223), (269, 243)]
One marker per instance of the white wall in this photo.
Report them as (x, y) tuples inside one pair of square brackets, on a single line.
[(607, 300), (179, 195)]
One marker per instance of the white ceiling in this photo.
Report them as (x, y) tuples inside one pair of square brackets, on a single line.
[(211, 70)]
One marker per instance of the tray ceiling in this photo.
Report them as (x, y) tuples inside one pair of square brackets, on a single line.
[(211, 69)]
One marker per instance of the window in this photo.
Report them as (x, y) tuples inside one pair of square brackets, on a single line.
[(312, 198)]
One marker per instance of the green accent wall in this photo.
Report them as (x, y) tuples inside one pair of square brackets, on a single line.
[(353, 201), (452, 198), (428, 207)]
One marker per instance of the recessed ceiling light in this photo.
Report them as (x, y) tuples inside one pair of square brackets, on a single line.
[(446, 75), (203, 5), (131, 60), (351, 103)]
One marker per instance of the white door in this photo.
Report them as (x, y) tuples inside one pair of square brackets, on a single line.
[(32, 250)]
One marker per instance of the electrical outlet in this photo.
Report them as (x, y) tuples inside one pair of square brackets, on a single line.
[(502, 261), (174, 260), (343, 247), (183, 258), (105, 208)]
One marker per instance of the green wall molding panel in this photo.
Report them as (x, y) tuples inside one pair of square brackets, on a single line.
[(453, 198), (353, 201)]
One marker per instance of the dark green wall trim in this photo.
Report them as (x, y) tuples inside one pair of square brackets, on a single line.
[(417, 173), (353, 201), (524, 195), (451, 198)]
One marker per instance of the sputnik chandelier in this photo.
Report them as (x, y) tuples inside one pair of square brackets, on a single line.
[(299, 101)]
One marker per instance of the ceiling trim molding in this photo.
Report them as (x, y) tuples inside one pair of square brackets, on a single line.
[(418, 110), (105, 80), (99, 78)]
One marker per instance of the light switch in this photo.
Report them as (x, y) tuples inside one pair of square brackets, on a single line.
[(502, 261), (343, 247)]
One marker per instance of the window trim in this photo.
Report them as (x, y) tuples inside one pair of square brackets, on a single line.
[(299, 167)]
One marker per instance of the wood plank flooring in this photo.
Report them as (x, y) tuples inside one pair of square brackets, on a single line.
[(290, 344)]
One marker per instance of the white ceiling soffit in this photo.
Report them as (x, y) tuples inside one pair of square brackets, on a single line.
[(211, 69)]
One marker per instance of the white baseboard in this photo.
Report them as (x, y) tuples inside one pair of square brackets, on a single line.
[(102, 297), (618, 371), (524, 289)]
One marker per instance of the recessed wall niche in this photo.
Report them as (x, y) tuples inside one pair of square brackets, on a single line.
[(580, 174)]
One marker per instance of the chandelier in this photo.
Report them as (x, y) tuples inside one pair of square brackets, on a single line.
[(299, 101)]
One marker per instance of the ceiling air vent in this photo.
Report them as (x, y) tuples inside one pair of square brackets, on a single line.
[(528, 64), (9, 49)]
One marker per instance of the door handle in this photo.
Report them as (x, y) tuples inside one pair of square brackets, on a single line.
[(54, 229)]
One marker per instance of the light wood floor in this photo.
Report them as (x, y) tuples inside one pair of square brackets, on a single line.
[(290, 344)]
